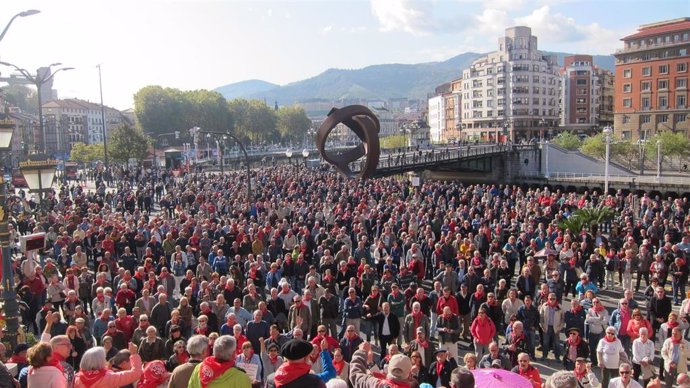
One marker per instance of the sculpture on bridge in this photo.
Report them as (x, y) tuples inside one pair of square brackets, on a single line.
[(362, 121)]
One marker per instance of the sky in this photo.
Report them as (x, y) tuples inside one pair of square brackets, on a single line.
[(204, 44)]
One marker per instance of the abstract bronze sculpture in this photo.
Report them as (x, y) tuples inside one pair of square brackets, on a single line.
[(362, 121)]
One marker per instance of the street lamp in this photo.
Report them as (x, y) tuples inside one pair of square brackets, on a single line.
[(305, 155), (658, 159), (641, 145), (39, 172), (21, 14), (608, 131), (11, 307), (38, 81), (225, 136), (545, 147)]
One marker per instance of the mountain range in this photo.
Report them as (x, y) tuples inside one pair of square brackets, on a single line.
[(371, 82)]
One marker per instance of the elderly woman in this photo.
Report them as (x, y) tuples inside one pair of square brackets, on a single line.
[(95, 374), (248, 357), (110, 350), (44, 370), (342, 367)]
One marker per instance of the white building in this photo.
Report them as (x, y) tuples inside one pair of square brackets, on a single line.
[(437, 119), (511, 93)]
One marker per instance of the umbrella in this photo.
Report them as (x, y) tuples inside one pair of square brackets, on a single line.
[(545, 252), (493, 378)]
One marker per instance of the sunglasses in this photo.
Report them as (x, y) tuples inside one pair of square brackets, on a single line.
[(624, 372)]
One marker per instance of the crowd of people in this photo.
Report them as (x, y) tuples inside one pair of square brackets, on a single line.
[(314, 279)]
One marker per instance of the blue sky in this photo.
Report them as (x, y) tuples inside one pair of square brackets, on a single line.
[(203, 44)]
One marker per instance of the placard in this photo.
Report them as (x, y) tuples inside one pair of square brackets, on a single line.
[(252, 370)]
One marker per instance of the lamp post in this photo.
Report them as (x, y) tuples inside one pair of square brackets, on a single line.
[(658, 160), (21, 14), (39, 172), (608, 131), (305, 155), (105, 140), (641, 145), (545, 147), (225, 136), (288, 155), (38, 81), (11, 307)]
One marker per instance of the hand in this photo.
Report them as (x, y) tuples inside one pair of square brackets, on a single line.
[(133, 349), (261, 339), (49, 319), (324, 344), (589, 366)]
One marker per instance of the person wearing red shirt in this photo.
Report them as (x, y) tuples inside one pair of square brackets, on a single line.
[(447, 300), (483, 330), (526, 370), (321, 334), (125, 323)]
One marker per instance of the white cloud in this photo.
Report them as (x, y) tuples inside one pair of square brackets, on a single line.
[(412, 16), (327, 29), (558, 29)]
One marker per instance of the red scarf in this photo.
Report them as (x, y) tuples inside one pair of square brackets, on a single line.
[(211, 369), (599, 308), (478, 294), (576, 310), (676, 341), (671, 325), (417, 319), (91, 377), (439, 368), (579, 376), (273, 360), (606, 337), (17, 359), (57, 362), (339, 365), (289, 372), (553, 304), (182, 358), (574, 343), (516, 339), (424, 344)]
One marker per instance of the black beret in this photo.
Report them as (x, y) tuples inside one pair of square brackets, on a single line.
[(296, 349)]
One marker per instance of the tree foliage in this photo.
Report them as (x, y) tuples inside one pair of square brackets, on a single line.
[(293, 123), (254, 120), (394, 141), (673, 144), (595, 146), (21, 96), (86, 153), (126, 142), (567, 140), (585, 218)]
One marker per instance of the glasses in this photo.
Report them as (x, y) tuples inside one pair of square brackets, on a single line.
[(322, 331), (624, 372), (610, 333), (552, 298), (624, 304), (523, 361), (349, 330)]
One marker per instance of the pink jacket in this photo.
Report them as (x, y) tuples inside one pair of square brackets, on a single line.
[(46, 377), (117, 379)]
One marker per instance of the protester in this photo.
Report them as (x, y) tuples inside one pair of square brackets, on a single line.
[(93, 371)]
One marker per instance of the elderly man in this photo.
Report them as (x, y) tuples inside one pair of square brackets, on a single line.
[(494, 358), (299, 315), (624, 379), (561, 379), (398, 374), (526, 370), (675, 352), (160, 314), (257, 329), (197, 347), (219, 371)]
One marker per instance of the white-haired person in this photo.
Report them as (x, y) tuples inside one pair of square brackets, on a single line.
[(94, 372), (197, 347), (219, 370)]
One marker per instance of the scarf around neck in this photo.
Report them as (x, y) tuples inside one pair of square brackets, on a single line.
[(290, 371), (91, 377), (211, 369)]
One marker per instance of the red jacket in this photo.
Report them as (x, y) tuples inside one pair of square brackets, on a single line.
[(531, 374), (450, 302), (483, 330), (332, 342)]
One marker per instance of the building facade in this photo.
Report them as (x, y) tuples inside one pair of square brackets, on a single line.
[(509, 92), (651, 84), (437, 117), (586, 95)]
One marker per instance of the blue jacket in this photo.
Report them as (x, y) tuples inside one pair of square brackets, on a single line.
[(352, 309)]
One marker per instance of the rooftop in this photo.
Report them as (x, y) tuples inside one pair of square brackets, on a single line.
[(660, 28)]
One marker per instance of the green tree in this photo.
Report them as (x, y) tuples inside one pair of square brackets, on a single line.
[(126, 142), (595, 146), (254, 120), (293, 123), (161, 110), (394, 141), (86, 153), (567, 140), (673, 144), (21, 96)]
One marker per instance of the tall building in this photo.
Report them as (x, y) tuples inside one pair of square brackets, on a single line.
[(72, 120), (586, 95), (444, 112), (651, 85), (512, 93)]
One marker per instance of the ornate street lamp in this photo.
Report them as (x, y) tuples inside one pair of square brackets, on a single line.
[(608, 132), (11, 307), (305, 155), (288, 155), (39, 172), (21, 14)]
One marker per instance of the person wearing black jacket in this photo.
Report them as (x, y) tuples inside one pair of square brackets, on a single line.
[(463, 298), (328, 306), (291, 374), (440, 370), (388, 327), (448, 327), (658, 310)]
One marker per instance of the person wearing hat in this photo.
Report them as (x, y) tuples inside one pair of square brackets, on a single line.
[(397, 376), (440, 370), (219, 370), (295, 370), (270, 357), (574, 347), (19, 356), (424, 346)]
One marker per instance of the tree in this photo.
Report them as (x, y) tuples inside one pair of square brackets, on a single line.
[(567, 140), (86, 153), (293, 123), (595, 146), (673, 144), (394, 141), (126, 142), (21, 96), (254, 120), (160, 110), (586, 218)]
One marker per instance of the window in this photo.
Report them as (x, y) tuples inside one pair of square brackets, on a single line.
[(627, 88), (661, 118), (645, 119), (580, 100), (646, 71), (663, 102), (679, 117), (663, 69), (581, 82), (681, 67), (645, 103), (662, 84), (627, 102), (627, 73), (646, 86), (626, 119), (681, 101), (681, 83)]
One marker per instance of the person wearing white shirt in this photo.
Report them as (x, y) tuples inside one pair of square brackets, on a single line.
[(609, 352), (584, 375), (643, 356), (625, 379), (675, 351)]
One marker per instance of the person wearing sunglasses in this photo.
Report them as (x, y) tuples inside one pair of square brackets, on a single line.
[(609, 353), (624, 380)]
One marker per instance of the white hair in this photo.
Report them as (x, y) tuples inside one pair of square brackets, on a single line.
[(93, 359), (224, 348)]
